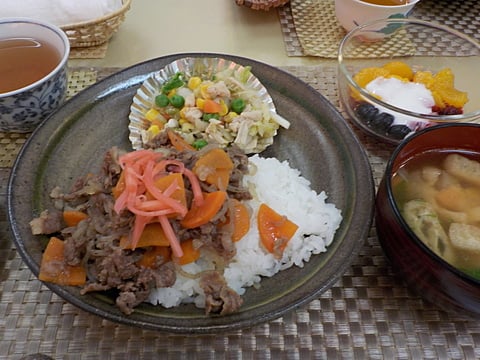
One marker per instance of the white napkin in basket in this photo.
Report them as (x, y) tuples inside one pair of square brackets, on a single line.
[(59, 12)]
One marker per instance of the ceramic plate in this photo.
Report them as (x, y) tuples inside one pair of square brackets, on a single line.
[(203, 67), (319, 143)]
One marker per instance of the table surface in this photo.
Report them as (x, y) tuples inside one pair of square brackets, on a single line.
[(368, 314), (155, 28)]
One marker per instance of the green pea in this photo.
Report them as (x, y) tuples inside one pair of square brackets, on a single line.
[(177, 101), (209, 116), (238, 105), (200, 143), (161, 100)]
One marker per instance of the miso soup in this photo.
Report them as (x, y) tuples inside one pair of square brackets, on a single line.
[(438, 194)]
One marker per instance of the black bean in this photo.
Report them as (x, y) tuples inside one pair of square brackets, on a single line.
[(399, 131), (366, 112), (382, 122)]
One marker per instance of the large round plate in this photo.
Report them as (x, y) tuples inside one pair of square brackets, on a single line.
[(319, 143)]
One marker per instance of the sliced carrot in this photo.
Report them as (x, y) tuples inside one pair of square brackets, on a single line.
[(275, 230), (165, 189), (214, 167), (119, 187), (212, 107), (241, 220), (73, 217), (164, 182), (454, 198), (142, 168), (200, 215), (53, 267), (190, 253), (221, 178), (152, 235), (178, 142), (150, 258)]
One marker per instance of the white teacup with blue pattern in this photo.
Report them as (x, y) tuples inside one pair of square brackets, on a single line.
[(23, 109)]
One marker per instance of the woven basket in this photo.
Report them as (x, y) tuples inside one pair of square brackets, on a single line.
[(98, 31), (261, 4)]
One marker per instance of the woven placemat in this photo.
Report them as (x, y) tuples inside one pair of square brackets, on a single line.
[(10, 143), (368, 314), (90, 52), (310, 28)]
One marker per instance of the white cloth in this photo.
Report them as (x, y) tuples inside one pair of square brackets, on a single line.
[(59, 12)]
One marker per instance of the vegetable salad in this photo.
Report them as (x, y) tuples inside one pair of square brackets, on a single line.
[(221, 109)]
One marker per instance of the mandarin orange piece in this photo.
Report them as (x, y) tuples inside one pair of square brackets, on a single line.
[(399, 68), (364, 76)]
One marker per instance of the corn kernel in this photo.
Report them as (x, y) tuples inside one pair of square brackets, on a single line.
[(172, 92), (204, 91), (151, 114), (200, 103), (224, 110), (154, 130), (230, 116), (182, 112), (194, 82)]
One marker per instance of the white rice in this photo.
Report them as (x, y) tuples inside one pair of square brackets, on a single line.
[(283, 189)]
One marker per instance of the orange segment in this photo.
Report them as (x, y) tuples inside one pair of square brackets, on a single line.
[(399, 68), (364, 76)]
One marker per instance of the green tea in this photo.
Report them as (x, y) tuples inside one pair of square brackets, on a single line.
[(24, 61)]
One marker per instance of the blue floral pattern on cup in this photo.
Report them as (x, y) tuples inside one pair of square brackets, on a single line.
[(24, 111)]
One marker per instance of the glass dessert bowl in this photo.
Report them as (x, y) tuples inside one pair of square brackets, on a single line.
[(398, 76)]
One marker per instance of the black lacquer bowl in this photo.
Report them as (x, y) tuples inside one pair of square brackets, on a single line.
[(319, 143), (425, 272)]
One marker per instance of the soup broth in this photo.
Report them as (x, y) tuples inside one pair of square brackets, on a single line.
[(438, 195), (24, 61), (386, 2)]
